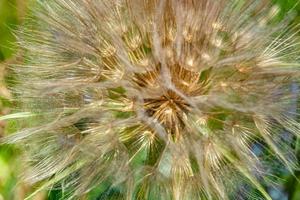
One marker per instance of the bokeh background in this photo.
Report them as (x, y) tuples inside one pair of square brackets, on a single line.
[(12, 14)]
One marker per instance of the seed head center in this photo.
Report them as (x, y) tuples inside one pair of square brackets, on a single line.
[(169, 106)]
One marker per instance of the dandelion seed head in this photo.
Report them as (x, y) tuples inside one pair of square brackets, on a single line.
[(160, 99)]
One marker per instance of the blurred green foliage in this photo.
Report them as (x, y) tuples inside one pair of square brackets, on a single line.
[(8, 20), (8, 156), (11, 13)]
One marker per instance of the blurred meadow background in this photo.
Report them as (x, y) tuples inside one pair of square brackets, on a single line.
[(12, 14)]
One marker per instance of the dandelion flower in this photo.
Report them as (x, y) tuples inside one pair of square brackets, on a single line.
[(158, 99)]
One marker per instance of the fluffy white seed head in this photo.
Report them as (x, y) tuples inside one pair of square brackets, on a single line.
[(160, 99)]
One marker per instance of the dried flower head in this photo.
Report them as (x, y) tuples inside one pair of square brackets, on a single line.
[(159, 99)]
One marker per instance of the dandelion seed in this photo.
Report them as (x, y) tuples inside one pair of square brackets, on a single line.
[(157, 99), (217, 42), (217, 25), (206, 56), (190, 62)]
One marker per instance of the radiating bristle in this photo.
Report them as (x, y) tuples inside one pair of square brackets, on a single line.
[(159, 99)]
